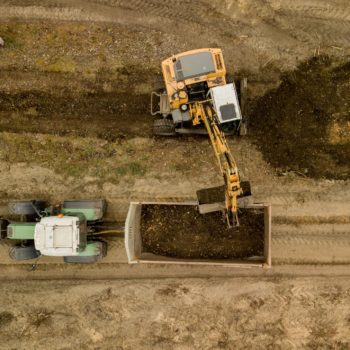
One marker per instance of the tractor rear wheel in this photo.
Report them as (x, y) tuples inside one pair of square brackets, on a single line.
[(3, 226), (88, 259), (24, 253), (164, 127)]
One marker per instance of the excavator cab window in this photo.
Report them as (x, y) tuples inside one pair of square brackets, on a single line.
[(191, 66)]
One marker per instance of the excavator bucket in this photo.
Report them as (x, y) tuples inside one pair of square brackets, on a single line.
[(175, 233), (211, 199)]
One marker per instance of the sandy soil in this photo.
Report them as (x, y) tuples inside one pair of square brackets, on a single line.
[(75, 77), (172, 314)]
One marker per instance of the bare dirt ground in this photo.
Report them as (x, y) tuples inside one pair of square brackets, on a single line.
[(75, 78), (173, 314)]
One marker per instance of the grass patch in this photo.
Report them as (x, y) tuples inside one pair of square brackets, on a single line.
[(133, 168), (180, 167), (63, 64), (136, 169), (143, 89), (11, 42), (76, 157)]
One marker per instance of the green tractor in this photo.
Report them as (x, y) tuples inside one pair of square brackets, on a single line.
[(69, 230)]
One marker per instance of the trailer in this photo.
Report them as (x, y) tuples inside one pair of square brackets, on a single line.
[(137, 253)]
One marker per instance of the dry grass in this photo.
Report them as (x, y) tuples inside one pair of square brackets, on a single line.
[(62, 64), (72, 157), (75, 48)]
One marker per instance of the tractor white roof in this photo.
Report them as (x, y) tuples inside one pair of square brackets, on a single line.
[(57, 236)]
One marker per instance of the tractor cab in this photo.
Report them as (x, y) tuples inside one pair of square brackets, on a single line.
[(61, 235), (69, 232)]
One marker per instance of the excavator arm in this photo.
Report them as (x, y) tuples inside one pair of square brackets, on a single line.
[(204, 112)]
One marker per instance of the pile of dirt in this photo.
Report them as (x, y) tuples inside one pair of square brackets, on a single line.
[(304, 124), (182, 232)]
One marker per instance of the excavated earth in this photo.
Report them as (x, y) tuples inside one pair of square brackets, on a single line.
[(182, 232), (95, 114), (304, 124)]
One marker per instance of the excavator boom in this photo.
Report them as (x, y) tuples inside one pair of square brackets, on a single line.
[(205, 113)]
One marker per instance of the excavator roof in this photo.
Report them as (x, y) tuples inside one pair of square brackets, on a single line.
[(194, 52), (192, 67)]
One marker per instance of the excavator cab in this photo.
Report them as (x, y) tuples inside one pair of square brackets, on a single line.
[(196, 75)]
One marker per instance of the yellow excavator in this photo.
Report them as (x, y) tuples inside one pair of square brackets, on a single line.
[(197, 99)]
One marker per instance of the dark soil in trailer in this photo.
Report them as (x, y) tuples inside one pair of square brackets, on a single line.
[(182, 232), (304, 124)]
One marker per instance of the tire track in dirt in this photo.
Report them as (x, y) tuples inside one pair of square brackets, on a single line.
[(309, 220), (312, 25), (49, 13), (193, 16), (309, 208), (185, 9), (314, 9), (308, 24), (310, 249), (315, 232), (179, 11), (315, 240), (311, 226), (325, 33)]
